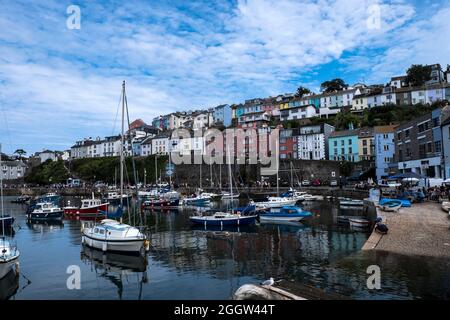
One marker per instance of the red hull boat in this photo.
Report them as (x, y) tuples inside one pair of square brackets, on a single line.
[(89, 208)]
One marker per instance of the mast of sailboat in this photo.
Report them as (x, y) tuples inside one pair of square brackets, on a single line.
[(292, 177), (220, 175), (156, 171), (1, 194), (231, 179), (122, 140), (201, 175), (210, 173), (278, 168)]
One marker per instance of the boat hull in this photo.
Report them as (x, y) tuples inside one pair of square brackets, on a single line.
[(162, 204), (7, 265), (50, 216), (116, 201), (276, 204), (87, 212), (210, 221), (279, 218), (124, 246)]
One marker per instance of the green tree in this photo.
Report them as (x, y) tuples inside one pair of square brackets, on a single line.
[(344, 118), (20, 153), (301, 91), (418, 74), (333, 85)]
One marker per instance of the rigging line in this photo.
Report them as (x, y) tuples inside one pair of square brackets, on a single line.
[(8, 133), (117, 114)]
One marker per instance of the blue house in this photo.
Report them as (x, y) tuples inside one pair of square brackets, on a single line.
[(384, 140), (343, 146), (222, 114)]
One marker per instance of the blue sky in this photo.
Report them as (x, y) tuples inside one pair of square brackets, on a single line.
[(58, 85)]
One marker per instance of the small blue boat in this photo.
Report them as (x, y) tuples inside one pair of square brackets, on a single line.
[(405, 202), (223, 219), (284, 214), (251, 208)]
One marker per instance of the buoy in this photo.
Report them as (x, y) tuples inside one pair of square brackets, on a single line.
[(104, 246)]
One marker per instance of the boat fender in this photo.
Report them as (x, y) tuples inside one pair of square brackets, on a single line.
[(147, 245), (17, 267)]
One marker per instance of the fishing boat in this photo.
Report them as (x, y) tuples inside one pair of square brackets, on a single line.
[(112, 235), (89, 207), (391, 206), (358, 222), (9, 254), (276, 202), (445, 205), (46, 211), (224, 219), (284, 214)]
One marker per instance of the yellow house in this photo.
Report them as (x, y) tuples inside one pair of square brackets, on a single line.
[(366, 146)]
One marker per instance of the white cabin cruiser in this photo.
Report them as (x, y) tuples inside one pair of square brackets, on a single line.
[(111, 235), (275, 202), (46, 211)]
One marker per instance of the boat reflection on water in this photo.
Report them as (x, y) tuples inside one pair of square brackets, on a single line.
[(46, 226), (9, 285), (285, 226), (116, 267), (225, 229)]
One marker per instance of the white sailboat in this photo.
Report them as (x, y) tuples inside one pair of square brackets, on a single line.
[(9, 254), (111, 235)]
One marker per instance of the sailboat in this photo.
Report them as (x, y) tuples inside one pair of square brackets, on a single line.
[(9, 254), (225, 218), (109, 234)]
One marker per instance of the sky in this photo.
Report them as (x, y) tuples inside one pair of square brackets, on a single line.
[(59, 84)]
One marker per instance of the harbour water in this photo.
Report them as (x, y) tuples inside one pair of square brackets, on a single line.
[(194, 263)]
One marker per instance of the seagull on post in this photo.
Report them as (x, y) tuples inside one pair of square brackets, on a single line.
[(269, 282)]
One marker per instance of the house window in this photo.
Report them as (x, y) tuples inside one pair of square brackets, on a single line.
[(437, 146), (350, 141), (407, 133)]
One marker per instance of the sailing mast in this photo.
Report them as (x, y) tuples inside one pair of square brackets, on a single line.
[(292, 177), (278, 168), (122, 140), (210, 173), (1, 195), (231, 179)]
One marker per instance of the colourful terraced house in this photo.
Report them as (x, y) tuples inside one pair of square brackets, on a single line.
[(343, 146)]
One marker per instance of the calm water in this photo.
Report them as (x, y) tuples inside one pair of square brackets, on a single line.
[(191, 263)]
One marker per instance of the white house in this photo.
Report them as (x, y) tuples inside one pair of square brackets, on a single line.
[(146, 147), (312, 141), (160, 143), (202, 120), (11, 170), (418, 96), (47, 155), (297, 113)]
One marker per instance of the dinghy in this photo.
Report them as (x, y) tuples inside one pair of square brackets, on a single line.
[(358, 223), (445, 206), (391, 206), (223, 219)]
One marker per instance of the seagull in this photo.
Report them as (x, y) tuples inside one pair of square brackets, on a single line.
[(269, 282)]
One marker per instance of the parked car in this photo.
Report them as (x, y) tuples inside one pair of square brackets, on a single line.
[(306, 183), (333, 183), (316, 182)]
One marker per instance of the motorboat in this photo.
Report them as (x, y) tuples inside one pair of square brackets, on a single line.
[(224, 219), (351, 202), (111, 235), (405, 202), (46, 211), (212, 196), (445, 205), (114, 198), (89, 207), (197, 200), (284, 214), (228, 195), (274, 202), (391, 206), (160, 203), (358, 222), (9, 257), (21, 199)]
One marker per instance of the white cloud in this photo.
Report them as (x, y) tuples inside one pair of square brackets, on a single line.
[(190, 55)]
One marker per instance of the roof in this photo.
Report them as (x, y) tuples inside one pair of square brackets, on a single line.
[(365, 132), (344, 133), (13, 163), (385, 129)]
